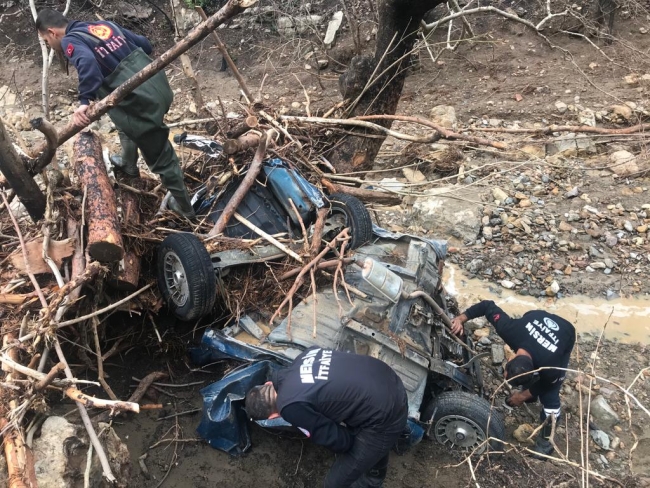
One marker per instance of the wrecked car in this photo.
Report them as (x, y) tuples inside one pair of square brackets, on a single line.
[(390, 308)]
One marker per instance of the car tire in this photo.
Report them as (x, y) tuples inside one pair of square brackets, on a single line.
[(357, 217), (186, 277), (462, 419)]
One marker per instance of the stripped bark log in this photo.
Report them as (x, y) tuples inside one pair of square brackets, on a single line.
[(18, 177), (232, 8), (244, 186), (92, 402), (127, 274), (233, 146), (369, 196), (224, 52), (20, 462), (104, 237), (250, 122)]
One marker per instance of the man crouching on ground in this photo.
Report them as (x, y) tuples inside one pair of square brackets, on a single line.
[(323, 389), (540, 340)]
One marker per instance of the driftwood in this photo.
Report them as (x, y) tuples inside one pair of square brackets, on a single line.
[(127, 275), (92, 402), (51, 138), (96, 110), (57, 250), (18, 177), (567, 128), (233, 146), (250, 122), (12, 299), (244, 186), (370, 196), (20, 462), (224, 52), (104, 237)]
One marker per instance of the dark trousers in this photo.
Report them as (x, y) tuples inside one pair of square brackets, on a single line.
[(366, 464)]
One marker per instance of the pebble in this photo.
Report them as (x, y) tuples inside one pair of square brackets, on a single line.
[(627, 225), (609, 263), (610, 240), (499, 194), (553, 289), (517, 248), (507, 284), (598, 265), (565, 227), (487, 233), (572, 193), (642, 229)]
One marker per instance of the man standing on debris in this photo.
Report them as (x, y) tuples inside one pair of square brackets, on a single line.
[(105, 56), (539, 339), (323, 389)]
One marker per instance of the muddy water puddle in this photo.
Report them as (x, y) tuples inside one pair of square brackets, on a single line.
[(629, 321)]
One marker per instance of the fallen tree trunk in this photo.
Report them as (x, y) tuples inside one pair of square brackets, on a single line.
[(369, 196), (375, 84), (104, 237), (12, 167), (127, 274), (244, 186), (233, 146), (96, 110)]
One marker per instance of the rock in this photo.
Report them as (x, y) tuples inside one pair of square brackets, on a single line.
[(507, 284), (598, 265), (444, 216), (485, 341), (623, 163), (50, 460), (565, 227), (498, 194), (621, 113), (517, 248), (572, 193), (482, 332), (322, 63), (498, 354), (525, 203), (523, 432), (561, 107), (602, 413), (610, 240), (571, 145), (627, 225), (587, 117), (413, 175), (333, 28), (474, 266), (642, 229), (444, 115), (534, 151), (600, 438), (609, 263), (487, 233), (553, 289)]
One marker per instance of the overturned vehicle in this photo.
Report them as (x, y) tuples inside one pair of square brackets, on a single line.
[(391, 308)]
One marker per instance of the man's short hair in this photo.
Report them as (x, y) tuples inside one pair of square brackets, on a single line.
[(50, 19), (258, 403), (519, 366)]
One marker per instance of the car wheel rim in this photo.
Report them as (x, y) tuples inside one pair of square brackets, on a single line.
[(176, 280), (460, 433)]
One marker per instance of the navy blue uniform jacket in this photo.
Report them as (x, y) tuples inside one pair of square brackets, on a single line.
[(96, 49)]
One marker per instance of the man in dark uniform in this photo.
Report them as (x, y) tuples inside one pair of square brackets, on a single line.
[(323, 389), (106, 55), (539, 339)]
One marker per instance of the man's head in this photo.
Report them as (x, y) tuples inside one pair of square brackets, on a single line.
[(51, 25), (260, 403), (519, 369)]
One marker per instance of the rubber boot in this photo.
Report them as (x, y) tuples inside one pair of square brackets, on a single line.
[(127, 163), (184, 210), (542, 443)]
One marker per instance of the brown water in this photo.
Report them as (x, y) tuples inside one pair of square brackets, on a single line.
[(629, 321)]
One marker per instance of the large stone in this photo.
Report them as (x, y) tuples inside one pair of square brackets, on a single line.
[(444, 115), (604, 416), (571, 145), (446, 217), (600, 438), (50, 460), (623, 163)]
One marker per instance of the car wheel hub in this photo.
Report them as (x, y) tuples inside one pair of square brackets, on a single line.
[(458, 432), (176, 280)]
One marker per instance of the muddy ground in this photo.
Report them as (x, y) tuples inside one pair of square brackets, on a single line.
[(507, 77)]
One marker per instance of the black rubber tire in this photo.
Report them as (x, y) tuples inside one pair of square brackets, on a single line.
[(198, 272), (356, 215), (470, 406)]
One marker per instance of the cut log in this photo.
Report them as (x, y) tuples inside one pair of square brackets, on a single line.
[(126, 274), (249, 123), (57, 250), (366, 196), (233, 146), (229, 10), (104, 237), (18, 177)]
